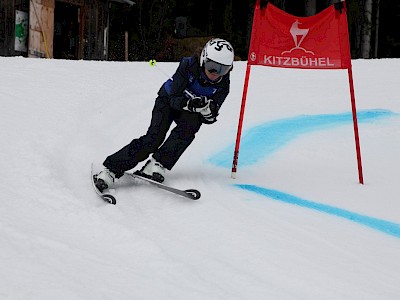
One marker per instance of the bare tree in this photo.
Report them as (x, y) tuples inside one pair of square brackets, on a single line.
[(376, 29), (151, 23), (366, 30), (310, 7)]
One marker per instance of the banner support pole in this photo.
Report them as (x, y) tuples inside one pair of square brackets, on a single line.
[(355, 125), (240, 125)]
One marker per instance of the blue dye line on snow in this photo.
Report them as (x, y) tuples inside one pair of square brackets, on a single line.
[(387, 227), (263, 140)]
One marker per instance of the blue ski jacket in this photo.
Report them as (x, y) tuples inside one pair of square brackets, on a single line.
[(190, 76)]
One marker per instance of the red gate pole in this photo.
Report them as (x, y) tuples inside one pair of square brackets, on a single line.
[(239, 131), (354, 112)]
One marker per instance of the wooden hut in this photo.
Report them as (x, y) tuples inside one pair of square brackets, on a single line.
[(67, 29)]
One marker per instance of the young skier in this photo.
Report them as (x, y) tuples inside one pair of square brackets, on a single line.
[(192, 96)]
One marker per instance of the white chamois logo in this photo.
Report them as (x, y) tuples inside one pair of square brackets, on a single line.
[(298, 35)]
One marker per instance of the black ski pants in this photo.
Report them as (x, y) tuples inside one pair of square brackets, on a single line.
[(165, 152)]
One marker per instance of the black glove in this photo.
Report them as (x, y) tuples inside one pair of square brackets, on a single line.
[(197, 104)]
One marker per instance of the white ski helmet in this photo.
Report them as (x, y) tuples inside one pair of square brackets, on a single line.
[(217, 56)]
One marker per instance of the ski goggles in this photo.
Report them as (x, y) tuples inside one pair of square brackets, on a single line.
[(216, 68)]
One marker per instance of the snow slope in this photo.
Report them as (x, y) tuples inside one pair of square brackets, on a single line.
[(295, 224)]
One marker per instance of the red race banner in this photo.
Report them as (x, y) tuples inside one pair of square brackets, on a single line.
[(279, 39), (282, 40)]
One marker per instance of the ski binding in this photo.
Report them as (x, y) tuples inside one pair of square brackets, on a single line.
[(189, 193), (103, 195)]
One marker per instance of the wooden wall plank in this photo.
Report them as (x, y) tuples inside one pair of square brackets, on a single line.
[(41, 28)]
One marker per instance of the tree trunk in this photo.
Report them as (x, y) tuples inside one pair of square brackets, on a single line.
[(377, 29), (310, 7), (366, 31)]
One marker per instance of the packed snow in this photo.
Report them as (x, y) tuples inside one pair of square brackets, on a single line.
[(295, 223)]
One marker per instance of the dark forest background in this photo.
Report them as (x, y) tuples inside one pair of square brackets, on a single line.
[(168, 29)]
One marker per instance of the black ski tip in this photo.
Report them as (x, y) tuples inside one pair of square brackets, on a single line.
[(109, 198), (194, 194)]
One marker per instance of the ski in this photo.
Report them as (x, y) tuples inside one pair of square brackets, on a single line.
[(106, 196), (190, 193), (109, 198)]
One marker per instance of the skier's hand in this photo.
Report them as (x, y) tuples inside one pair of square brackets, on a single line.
[(210, 113), (197, 104)]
